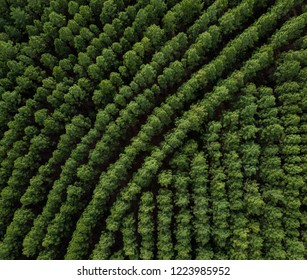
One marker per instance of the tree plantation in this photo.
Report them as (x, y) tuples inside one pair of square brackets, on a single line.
[(153, 129)]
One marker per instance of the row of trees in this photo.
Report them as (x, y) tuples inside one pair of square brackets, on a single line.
[(201, 213), (217, 190), (182, 184), (290, 91), (146, 225), (241, 163)]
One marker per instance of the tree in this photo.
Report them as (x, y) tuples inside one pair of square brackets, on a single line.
[(20, 18), (169, 23), (156, 35), (48, 60), (65, 34), (109, 10), (73, 8), (76, 96), (57, 20), (132, 61), (106, 92)]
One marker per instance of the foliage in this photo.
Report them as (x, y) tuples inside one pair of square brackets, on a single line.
[(153, 129)]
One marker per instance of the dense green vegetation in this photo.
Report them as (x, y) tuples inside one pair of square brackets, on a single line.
[(153, 129)]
